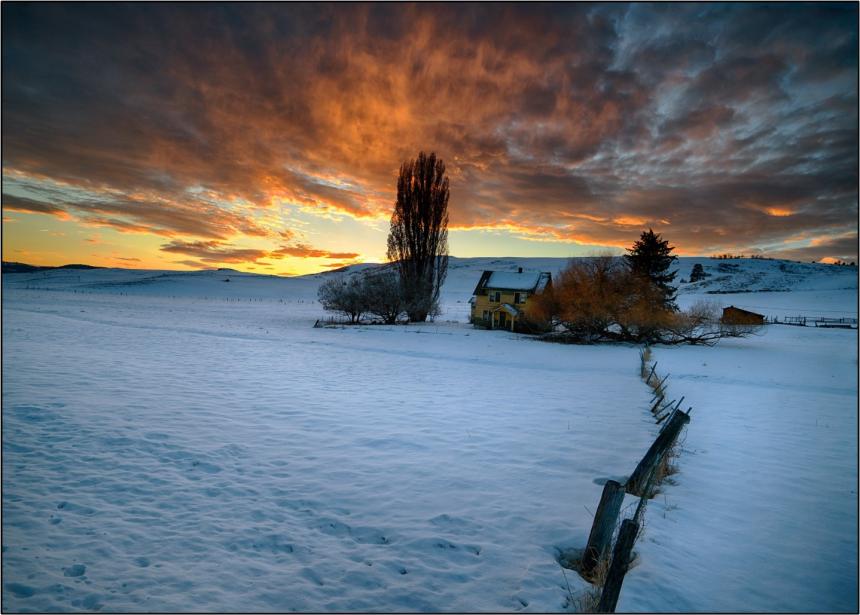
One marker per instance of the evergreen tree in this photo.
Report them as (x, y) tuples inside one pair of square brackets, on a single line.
[(652, 257), (698, 273)]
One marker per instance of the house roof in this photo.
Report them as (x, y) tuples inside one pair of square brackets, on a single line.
[(533, 281), (513, 281)]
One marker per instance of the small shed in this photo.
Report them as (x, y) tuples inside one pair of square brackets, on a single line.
[(736, 316)]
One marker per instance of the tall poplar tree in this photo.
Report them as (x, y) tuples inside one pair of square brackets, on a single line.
[(418, 239)]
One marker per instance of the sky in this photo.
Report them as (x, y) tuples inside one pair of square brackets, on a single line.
[(268, 137)]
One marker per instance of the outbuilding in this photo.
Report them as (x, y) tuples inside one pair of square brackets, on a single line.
[(736, 316)]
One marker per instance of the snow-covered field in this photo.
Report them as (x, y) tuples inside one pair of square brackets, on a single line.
[(176, 442)]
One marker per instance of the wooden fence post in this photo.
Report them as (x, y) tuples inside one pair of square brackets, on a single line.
[(659, 388), (651, 373), (600, 538), (657, 404), (638, 481), (618, 567)]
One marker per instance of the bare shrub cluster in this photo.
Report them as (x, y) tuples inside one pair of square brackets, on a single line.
[(603, 299), (376, 293)]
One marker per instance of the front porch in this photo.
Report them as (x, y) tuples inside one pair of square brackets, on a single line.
[(504, 317)]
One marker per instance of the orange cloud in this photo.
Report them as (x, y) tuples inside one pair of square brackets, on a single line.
[(199, 124), (220, 252), (305, 251), (778, 212)]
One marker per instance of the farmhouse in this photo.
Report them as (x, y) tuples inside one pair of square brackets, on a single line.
[(500, 297), (737, 316)]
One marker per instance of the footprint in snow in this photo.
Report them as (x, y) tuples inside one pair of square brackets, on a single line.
[(209, 468), (90, 603), (74, 508), (76, 570), (19, 590)]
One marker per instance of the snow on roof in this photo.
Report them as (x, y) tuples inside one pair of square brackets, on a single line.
[(512, 280)]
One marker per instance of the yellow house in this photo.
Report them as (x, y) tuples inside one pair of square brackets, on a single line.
[(500, 297)]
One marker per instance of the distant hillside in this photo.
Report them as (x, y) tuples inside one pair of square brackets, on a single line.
[(725, 281), (12, 267)]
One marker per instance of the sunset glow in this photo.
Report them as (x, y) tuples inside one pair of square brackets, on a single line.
[(268, 137)]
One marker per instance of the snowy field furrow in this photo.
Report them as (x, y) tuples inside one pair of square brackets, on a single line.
[(173, 442)]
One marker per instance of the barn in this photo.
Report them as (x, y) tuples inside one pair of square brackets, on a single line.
[(736, 316)]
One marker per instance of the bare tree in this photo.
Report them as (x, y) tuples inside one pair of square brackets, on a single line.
[(344, 295), (383, 297), (701, 324), (602, 299), (418, 239)]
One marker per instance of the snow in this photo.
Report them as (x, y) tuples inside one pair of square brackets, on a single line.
[(175, 442), (764, 515), (526, 280)]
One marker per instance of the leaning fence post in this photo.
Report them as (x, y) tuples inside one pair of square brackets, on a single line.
[(651, 373), (618, 567), (659, 387), (637, 483), (600, 538)]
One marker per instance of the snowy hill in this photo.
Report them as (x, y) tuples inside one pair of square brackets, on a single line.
[(750, 283), (723, 277), (187, 441)]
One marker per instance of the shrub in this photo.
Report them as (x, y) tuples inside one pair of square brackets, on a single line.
[(602, 299), (377, 292), (383, 295), (344, 295)]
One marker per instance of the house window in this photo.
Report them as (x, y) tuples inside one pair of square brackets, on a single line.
[(517, 298), (495, 296), (486, 315)]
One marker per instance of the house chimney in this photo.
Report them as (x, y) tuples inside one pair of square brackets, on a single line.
[(519, 269)]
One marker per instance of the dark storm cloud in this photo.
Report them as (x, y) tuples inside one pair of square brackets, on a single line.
[(725, 126), (23, 204), (136, 213), (838, 248), (213, 252)]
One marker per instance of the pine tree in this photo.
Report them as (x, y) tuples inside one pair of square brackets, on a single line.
[(698, 273), (652, 257)]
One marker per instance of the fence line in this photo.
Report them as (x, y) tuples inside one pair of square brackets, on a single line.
[(824, 322), (595, 565)]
